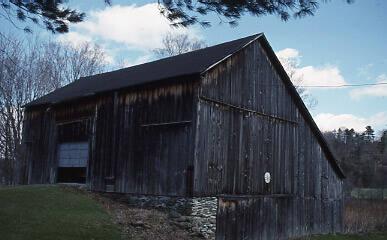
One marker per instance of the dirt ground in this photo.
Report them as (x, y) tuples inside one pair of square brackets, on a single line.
[(139, 223)]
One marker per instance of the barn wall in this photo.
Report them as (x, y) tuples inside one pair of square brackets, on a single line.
[(140, 141), (154, 134), (45, 127), (247, 125), (39, 132)]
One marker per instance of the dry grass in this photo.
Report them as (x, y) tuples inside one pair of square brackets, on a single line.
[(366, 236), (362, 216)]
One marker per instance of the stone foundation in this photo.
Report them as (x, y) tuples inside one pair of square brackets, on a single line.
[(196, 215)]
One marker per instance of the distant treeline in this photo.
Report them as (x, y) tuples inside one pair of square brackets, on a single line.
[(362, 156)]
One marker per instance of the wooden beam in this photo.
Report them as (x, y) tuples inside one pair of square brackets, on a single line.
[(165, 124), (242, 109)]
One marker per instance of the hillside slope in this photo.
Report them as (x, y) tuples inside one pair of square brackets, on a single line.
[(51, 212), (66, 213)]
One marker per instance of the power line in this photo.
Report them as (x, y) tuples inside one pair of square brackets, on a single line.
[(343, 85)]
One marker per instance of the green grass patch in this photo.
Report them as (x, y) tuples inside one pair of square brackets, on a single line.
[(50, 212), (370, 236)]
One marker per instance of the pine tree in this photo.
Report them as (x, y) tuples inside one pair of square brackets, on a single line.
[(383, 143), (369, 134), (362, 156), (56, 17), (49, 13)]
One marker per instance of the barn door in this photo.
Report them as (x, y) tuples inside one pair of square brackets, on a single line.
[(72, 161), (72, 151), (165, 153)]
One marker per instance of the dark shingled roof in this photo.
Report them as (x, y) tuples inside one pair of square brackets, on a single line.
[(190, 63)]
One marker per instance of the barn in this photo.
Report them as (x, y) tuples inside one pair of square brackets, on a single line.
[(221, 124)]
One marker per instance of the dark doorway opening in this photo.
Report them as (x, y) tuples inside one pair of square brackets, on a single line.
[(72, 175)]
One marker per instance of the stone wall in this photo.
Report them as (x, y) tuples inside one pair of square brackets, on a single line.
[(196, 215)]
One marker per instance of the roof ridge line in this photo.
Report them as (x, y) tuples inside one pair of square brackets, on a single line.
[(229, 55), (196, 50)]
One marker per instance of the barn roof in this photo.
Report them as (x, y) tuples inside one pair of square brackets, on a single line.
[(187, 64), (180, 66)]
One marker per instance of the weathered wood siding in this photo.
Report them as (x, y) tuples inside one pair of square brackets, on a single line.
[(45, 127), (248, 124), (154, 135), (276, 217), (39, 131), (140, 140)]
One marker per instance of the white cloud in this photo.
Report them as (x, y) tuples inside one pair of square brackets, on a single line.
[(122, 30), (373, 91), (320, 76), (327, 75), (288, 53), (329, 121), (138, 27)]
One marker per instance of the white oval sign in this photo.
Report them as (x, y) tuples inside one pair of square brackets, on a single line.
[(267, 177)]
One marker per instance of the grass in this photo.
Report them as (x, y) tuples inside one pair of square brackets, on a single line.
[(371, 236), (51, 212)]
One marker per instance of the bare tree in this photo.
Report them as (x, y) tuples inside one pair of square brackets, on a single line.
[(175, 44), (83, 60), (291, 65), (28, 71)]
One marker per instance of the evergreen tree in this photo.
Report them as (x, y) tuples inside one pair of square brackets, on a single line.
[(56, 17), (49, 13), (383, 142), (184, 12), (369, 134), (362, 156)]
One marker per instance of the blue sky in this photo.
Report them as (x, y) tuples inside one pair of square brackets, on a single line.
[(341, 44)]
